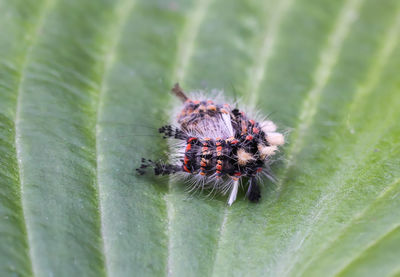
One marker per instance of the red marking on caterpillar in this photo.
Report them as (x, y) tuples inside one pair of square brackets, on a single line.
[(256, 130), (186, 169)]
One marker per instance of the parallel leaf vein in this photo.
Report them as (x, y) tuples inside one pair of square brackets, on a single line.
[(266, 50), (395, 228), (254, 81), (186, 44), (187, 40), (327, 200), (373, 76), (114, 36), (23, 68), (322, 74), (221, 234), (388, 189)]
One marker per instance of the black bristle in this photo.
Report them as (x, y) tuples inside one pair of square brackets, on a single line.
[(253, 192)]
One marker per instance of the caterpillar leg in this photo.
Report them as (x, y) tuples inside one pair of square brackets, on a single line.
[(253, 192), (159, 168)]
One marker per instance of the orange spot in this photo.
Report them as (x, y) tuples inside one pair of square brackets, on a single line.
[(188, 147), (211, 108), (234, 141), (255, 130), (186, 169), (202, 173), (249, 137), (191, 139), (252, 122), (237, 174)]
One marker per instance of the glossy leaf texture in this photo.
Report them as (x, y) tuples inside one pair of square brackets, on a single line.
[(84, 85)]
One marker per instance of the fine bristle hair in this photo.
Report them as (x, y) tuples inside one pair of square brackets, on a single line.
[(234, 191), (217, 146)]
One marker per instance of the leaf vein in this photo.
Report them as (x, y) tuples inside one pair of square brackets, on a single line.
[(36, 33), (385, 192), (254, 82), (392, 230), (187, 40), (186, 44), (122, 13), (266, 51), (375, 70), (322, 73)]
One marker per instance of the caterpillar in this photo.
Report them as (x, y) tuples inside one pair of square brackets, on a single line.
[(216, 145)]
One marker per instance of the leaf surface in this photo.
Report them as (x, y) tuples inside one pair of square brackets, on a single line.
[(84, 88)]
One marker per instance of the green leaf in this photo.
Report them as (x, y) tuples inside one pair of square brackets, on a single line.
[(84, 87)]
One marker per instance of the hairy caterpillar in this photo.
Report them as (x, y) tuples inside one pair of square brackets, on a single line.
[(217, 145)]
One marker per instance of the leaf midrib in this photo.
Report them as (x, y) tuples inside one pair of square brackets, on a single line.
[(46, 7)]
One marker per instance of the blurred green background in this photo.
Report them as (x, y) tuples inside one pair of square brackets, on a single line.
[(84, 85)]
